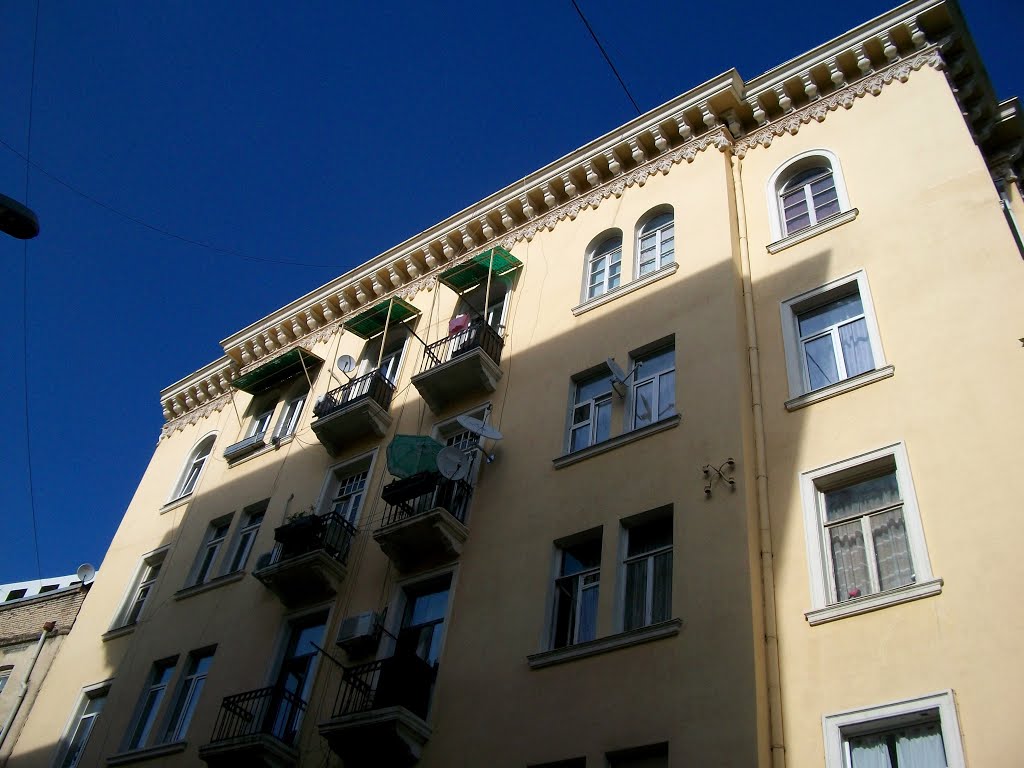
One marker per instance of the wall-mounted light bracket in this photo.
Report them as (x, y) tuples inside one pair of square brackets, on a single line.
[(721, 473)]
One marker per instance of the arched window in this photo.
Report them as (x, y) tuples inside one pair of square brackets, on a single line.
[(193, 468), (655, 246), (604, 266), (806, 191)]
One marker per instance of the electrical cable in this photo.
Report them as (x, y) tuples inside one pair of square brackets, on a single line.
[(607, 58), (161, 230), (24, 310)]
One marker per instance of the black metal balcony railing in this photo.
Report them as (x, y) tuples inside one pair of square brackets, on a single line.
[(266, 711), (400, 681), (331, 533), (421, 493), (478, 335), (373, 385)]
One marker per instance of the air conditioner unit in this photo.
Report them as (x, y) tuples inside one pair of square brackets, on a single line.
[(359, 633), (244, 447)]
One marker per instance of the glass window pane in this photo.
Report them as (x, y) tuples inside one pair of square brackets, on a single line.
[(650, 536), (666, 395), (565, 592), (892, 549), (581, 413), (636, 594), (580, 438), (796, 223), (594, 387), (862, 497), (853, 337), (821, 362), (818, 319), (643, 404), (581, 557), (603, 419), (587, 629), (849, 561), (661, 606)]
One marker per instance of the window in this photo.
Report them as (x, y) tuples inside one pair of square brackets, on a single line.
[(193, 468), (830, 335), (296, 674), (143, 584), (345, 488), (918, 733), (390, 361), (651, 756), (864, 531), (471, 303), (149, 703), (806, 191), (251, 521), (289, 421), (5, 675), (604, 266), (648, 571), (262, 415), (591, 416), (212, 542), (15, 594), (654, 387), (576, 589), (77, 735), (655, 246), (190, 687), (423, 619)]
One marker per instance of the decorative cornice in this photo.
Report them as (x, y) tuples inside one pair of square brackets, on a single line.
[(845, 98), (191, 417), (806, 88)]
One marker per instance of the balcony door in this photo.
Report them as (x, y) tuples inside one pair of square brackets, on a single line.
[(423, 622), (296, 674)]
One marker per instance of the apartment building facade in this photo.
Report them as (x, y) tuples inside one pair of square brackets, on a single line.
[(662, 457)]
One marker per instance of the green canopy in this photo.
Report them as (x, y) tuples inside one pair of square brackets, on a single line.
[(282, 368), (409, 455), (370, 322), (473, 272)]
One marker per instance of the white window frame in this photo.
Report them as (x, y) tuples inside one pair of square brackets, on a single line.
[(186, 697), (5, 675), (791, 309), (395, 610), (75, 723), (839, 727), (337, 474), (593, 254), (212, 544), (288, 422), (625, 559), (245, 536), (823, 605), (605, 398), (143, 580), (180, 491), (580, 577), (785, 172), (639, 379), (146, 713), (659, 236), (391, 360)]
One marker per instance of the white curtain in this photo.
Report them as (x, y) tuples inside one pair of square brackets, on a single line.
[(892, 549), (856, 347), (870, 752), (849, 560), (921, 747)]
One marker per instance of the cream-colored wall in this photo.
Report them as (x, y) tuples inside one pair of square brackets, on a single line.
[(20, 657), (946, 283)]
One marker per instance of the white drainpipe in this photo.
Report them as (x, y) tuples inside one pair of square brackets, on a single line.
[(47, 628)]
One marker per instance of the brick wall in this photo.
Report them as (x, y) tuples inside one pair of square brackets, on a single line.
[(24, 619)]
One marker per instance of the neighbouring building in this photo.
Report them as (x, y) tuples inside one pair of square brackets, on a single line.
[(692, 448), (35, 619)]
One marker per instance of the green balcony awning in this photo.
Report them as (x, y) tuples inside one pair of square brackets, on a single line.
[(282, 368), (473, 272), (370, 322)]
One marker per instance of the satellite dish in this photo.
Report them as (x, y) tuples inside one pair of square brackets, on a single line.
[(86, 573), (453, 463), (346, 363), (478, 427), (618, 377)]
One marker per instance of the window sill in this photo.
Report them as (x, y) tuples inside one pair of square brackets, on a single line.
[(271, 446), (806, 234), (175, 503), (147, 753), (614, 442), (622, 290), (870, 603), (118, 632), (633, 637), (206, 586), (846, 385)]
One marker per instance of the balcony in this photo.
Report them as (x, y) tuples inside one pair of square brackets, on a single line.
[(380, 713), (424, 523), (309, 562), (256, 728), (464, 363), (351, 412)]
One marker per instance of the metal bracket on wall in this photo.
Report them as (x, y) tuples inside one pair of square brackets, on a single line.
[(725, 476)]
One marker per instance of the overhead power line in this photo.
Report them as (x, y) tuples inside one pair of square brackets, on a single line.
[(607, 58), (157, 229)]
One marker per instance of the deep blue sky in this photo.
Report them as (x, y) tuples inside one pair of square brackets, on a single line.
[(308, 132)]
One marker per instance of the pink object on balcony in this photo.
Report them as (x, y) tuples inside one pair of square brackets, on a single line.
[(457, 324)]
